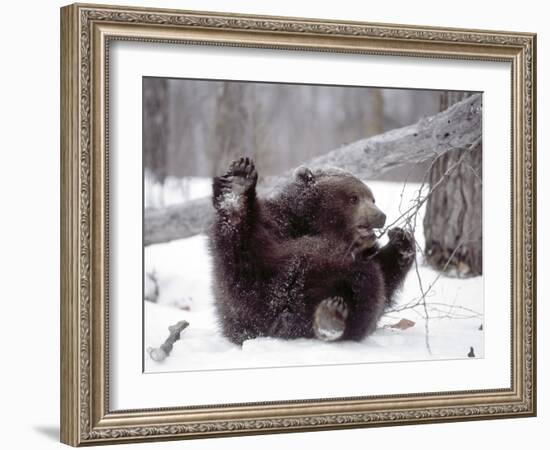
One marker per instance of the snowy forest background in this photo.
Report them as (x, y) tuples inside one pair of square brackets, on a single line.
[(192, 130), (201, 126)]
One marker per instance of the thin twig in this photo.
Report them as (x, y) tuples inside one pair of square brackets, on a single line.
[(407, 216), (408, 219)]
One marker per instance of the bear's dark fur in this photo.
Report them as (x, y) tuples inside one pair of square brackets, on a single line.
[(304, 263)]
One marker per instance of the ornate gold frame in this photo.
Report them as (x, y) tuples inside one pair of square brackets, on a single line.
[(86, 31)]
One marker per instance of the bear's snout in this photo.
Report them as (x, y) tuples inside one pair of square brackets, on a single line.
[(369, 216), (378, 219)]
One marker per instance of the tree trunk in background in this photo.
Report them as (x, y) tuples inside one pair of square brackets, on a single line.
[(155, 135), (453, 219), (375, 125), (231, 136)]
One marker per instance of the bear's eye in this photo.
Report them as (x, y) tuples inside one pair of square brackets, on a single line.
[(353, 199)]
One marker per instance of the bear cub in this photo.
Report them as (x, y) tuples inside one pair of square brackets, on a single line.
[(305, 262)]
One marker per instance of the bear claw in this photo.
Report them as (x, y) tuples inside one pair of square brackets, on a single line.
[(239, 180), (400, 237), (403, 241), (241, 176), (330, 319)]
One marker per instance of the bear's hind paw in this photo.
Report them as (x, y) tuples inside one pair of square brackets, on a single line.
[(329, 322), (239, 181)]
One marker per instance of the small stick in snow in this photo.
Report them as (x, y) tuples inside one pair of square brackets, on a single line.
[(160, 354)]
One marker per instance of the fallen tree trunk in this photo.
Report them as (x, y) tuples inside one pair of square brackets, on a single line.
[(455, 128)]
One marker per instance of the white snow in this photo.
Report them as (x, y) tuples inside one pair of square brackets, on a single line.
[(182, 270), (230, 201), (175, 190)]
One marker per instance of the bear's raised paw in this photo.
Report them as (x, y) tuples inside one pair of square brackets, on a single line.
[(240, 180), (241, 176)]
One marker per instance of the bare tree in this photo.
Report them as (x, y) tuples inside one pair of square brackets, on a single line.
[(231, 134), (284, 124), (454, 209), (260, 119), (155, 134), (375, 125)]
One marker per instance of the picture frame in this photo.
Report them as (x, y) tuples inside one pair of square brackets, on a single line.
[(87, 33)]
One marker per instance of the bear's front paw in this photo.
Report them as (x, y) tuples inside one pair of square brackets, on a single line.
[(240, 180), (241, 176), (403, 242)]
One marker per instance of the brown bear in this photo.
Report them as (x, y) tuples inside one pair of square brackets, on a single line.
[(304, 263)]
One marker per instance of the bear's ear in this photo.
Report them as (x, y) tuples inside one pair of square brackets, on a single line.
[(305, 175)]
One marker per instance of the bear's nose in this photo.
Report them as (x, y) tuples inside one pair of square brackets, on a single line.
[(379, 219)]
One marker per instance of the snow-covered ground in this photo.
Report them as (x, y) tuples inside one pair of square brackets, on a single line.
[(174, 190), (182, 270)]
